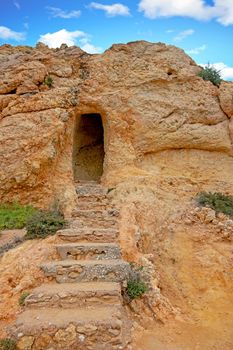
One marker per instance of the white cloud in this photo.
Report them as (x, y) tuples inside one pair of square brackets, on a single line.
[(112, 10), (90, 48), (166, 8), (17, 5), (225, 10), (222, 10), (57, 12), (184, 34), (8, 34), (197, 50), (64, 36), (225, 71)]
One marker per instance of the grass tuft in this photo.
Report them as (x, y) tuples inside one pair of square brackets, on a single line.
[(48, 81), (14, 216), (23, 297), (8, 344)]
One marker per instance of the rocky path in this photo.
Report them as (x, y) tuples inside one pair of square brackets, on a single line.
[(82, 306)]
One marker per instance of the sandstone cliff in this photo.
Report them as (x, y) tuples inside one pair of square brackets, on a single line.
[(167, 136), (154, 108)]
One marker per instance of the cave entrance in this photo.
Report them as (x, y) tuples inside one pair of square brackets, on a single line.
[(88, 151)]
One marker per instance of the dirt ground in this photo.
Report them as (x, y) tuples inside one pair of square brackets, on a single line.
[(9, 236)]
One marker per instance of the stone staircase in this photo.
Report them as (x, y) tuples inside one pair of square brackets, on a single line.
[(82, 306)]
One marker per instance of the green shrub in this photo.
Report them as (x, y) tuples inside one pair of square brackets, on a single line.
[(14, 216), (136, 288), (7, 344), (23, 297), (216, 201), (43, 224), (48, 81), (211, 74)]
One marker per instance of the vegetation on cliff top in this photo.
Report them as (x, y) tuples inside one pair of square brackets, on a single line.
[(217, 201), (211, 74)]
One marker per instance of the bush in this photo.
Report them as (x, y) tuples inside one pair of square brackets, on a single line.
[(15, 216), (216, 201), (48, 81), (136, 288), (7, 344), (211, 74), (43, 224), (23, 297)]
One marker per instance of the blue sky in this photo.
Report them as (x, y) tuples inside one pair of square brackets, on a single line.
[(204, 29)]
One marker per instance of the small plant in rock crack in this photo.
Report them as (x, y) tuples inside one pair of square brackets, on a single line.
[(136, 287), (7, 344), (48, 81), (23, 297)]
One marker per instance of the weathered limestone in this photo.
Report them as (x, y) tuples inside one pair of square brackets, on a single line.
[(94, 218), (89, 270), (99, 328), (85, 234), (70, 295), (92, 251), (160, 106), (98, 223), (85, 203), (91, 190)]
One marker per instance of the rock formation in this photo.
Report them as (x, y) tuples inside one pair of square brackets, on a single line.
[(165, 135), (153, 107)]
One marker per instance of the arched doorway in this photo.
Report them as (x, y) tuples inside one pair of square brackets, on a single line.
[(88, 150)]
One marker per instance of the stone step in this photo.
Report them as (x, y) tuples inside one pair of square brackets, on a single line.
[(91, 190), (89, 251), (92, 222), (88, 235), (70, 295), (86, 205), (101, 328), (92, 204), (87, 183), (65, 271), (95, 214)]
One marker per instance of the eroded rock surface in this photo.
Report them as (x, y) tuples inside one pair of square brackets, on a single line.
[(167, 136), (149, 97)]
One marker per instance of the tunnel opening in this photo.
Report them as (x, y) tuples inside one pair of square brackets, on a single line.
[(88, 150)]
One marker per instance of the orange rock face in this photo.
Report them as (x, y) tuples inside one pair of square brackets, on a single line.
[(148, 95), (167, 136)]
